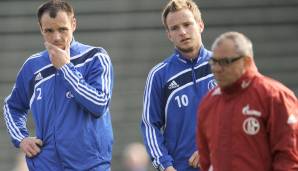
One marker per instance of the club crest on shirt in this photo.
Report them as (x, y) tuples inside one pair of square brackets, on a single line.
[(251, 126), (69, 95), (212, 84)]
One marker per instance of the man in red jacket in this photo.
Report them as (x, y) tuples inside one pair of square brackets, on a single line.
[(249, 122)]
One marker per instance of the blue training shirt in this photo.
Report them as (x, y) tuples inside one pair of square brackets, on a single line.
[(173, 90), (70, 106)]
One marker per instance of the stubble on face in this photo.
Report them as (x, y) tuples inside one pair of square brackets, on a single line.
[(185, 50)]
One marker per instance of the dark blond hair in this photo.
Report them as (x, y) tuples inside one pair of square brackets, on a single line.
[(177, 5)]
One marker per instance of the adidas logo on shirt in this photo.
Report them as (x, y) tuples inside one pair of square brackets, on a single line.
[(38, 77), (173, 85)]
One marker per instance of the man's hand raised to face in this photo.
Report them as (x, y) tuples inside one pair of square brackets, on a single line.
[(58, 57)]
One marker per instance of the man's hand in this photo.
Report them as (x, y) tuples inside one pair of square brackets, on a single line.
[(170, 168), (194, 160), (31, 146), (58, 56)]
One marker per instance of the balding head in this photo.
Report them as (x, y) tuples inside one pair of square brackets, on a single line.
[(242, 44), (232, 57)]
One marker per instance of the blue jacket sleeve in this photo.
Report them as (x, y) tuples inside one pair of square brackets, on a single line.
[(153, 121), (15, 109), (93, 91)]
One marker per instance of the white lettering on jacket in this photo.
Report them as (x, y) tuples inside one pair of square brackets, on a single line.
[(247, 111)]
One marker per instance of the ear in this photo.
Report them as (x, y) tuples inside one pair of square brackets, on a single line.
[(169, 35), (249, 64), (40, 28), (248, 61), (201, 25), (74, 23)]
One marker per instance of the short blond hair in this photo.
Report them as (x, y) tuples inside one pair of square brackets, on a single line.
[(177, 5)]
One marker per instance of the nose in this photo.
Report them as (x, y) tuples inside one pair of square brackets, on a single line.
[(216, 67), (182, 30), (56, 36)]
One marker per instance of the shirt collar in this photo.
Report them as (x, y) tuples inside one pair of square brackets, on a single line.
[(180, 57), (73, 47), (73, 43)]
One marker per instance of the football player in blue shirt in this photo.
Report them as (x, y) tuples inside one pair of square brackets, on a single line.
[(68, 88), (174, 89)]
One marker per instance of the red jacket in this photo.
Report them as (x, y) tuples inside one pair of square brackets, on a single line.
[(250, 126)]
